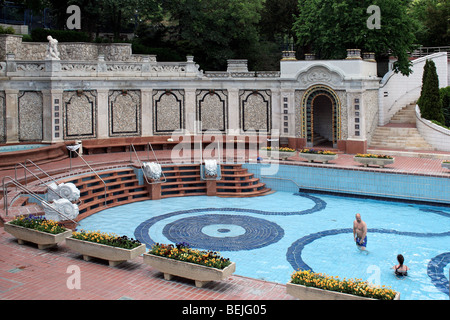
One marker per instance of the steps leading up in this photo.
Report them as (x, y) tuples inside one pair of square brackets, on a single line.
[(400, 133)]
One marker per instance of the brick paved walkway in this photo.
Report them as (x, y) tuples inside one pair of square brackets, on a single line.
[(29, 273)]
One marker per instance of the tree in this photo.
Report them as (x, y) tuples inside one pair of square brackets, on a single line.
[(431, 19), (215, 30), (330, 27), (430, 101)]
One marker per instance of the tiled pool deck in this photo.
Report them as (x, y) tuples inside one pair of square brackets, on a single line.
[(27, 273)]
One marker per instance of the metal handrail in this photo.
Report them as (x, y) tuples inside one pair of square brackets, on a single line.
[(157, 161), (93, 172), (42, 182), (31, 193)]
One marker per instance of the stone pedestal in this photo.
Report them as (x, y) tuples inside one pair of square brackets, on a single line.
[(211, 187), (154, 191)]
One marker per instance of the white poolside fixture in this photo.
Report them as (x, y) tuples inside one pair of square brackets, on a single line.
[(65, 190), (211, 168), (152, 170), (67, 209)]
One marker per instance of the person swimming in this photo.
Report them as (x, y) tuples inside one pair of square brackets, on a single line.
[(400, 270), (360, 232)]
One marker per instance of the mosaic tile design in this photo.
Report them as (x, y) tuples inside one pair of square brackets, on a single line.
[(124, 113), (255, 110), (238, 232), (168, 111), (212, 109), (30, 116), (2, 117), (80, 114)]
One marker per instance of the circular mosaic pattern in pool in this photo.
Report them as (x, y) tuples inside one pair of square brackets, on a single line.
[(221, 232)]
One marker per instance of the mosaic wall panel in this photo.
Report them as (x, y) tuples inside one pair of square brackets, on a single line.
[(255, 110), (30, 115), (212, 109), (2, 117), (124, 113), (80, 110), (168, 111)]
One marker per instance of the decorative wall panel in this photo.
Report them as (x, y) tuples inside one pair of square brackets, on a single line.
[(124, 113), (255, 110), (212, 110), (30, 115), (80, 114), (168, 111)]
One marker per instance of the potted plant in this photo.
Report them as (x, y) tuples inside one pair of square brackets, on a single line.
[(183, 261), (37, 229), (373, 159), (446, 164), (317, 155), (281, 153), (307, 285), (107, 246)]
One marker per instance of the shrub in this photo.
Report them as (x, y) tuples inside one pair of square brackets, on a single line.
[(445, 100), (430, 101), (40, 35)]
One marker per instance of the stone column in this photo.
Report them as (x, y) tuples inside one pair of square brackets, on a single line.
[(147, 115), (102, 114), (12, 116), (189, 107), (233, 110)]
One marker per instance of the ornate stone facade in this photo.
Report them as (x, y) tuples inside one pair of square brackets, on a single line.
[(104, 91)]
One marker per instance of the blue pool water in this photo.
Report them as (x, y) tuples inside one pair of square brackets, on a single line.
[(271, 236), (21, 147)]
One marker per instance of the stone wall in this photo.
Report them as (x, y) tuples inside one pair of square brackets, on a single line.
[(70, 51)]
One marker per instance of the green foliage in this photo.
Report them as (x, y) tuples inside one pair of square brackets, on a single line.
[(40, 35), (431, 22), (330, 27), (430, 101), (445, 100), (7, 30)]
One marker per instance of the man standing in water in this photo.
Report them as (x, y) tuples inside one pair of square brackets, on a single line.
[(360, 232)]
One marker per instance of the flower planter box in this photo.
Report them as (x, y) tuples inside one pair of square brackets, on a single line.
[(114, 255), (310, 293), (43, 240), (317, 157), (282, 155), (201, 274), (381, 162), (446, 165)]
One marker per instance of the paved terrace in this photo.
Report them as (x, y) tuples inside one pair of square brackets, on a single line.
[(32, 274)]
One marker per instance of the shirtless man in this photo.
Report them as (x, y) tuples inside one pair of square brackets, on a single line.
[(360, 232)]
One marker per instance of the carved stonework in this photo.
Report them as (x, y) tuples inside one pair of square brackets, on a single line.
[(30, 116), (255, 110), (168, 111), (80, 109), (212, 109), (124, 113), (320, 74)]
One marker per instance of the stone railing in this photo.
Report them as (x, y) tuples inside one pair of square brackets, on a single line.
[(248, 74), (148, 67)]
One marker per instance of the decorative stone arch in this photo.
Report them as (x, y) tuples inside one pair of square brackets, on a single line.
[(310, 101)]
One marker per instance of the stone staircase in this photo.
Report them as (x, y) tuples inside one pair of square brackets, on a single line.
[(400, 133)]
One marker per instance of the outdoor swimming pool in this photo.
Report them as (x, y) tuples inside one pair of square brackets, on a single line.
[(271, 236), (21, 147)]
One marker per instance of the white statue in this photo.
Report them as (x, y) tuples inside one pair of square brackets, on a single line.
[(152, 170), (52, 49), (211, 168), (67, 209), (67, 191)]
